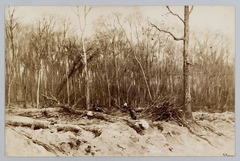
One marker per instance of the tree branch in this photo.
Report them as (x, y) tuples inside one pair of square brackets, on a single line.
[(144, 76), (79, 18), (175, 38), (174, 14), (51, 98), (190, 10), (89, 9)]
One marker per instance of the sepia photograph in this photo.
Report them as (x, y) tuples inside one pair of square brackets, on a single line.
[(119, 81)]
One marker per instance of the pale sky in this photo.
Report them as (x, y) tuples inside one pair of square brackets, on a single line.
[(203, 17)]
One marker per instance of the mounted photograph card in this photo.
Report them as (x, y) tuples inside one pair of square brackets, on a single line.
[(119, 81)]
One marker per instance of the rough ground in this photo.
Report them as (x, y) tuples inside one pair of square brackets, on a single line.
[(102, 138)]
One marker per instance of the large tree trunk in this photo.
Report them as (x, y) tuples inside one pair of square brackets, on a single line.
[(186, 70)]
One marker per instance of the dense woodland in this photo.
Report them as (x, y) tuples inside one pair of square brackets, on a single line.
[(128, 61)]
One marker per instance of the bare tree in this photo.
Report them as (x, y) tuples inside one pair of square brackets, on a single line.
[(11, 25), (136, 64), (186, 63), (136, 58), (41, 44), (65, 24), (82, 26)]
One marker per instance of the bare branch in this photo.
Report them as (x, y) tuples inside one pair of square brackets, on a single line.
[(51, 98), (79, 18), (15, 25), (144, 75), (115, 100), (11, 14), (89, 9), (190, 10), (175, 38), (174, 14), (74, 10)]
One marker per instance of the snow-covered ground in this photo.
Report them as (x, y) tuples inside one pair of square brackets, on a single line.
[(102, 138)]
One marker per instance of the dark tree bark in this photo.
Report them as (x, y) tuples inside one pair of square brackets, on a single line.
[(186, 64)]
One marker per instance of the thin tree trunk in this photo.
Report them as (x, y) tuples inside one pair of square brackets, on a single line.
[(144, 77), (38, 83), (117, 81), (87, 91), (9, 91), (38, 87), (74, 89), (25, 86), (86, 73), (67, 70), (44, 78), (108, 85), (186, 70)]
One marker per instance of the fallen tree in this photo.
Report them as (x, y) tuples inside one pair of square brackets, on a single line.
[(90, 114), (161, 110), (101, 116), (36, 113), (68, 108), (26, 122), (40, 124), (76, 67)]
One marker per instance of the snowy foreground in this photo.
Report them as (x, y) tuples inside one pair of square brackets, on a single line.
[(95, 137)]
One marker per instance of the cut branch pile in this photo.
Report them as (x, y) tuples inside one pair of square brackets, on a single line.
[(163, 110), (166, 111)]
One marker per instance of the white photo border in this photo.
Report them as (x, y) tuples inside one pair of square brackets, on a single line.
[(4, 3)]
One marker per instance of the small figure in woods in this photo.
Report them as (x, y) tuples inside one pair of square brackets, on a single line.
[(131, 111)]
